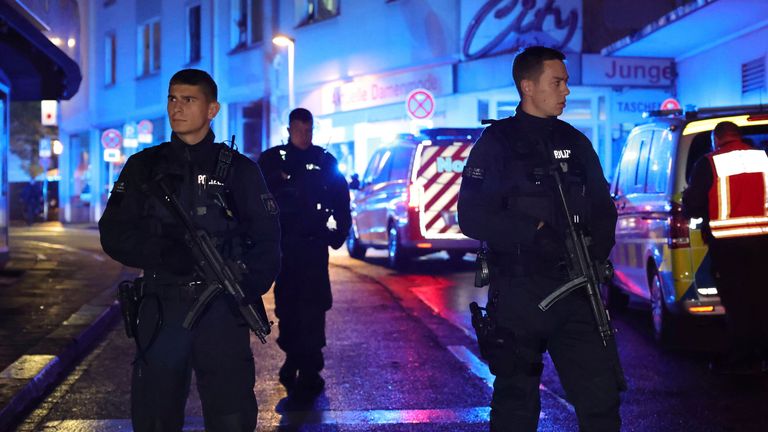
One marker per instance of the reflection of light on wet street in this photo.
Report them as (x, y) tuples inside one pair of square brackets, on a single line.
[(271, 419)]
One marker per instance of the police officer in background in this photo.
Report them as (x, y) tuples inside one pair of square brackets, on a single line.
[(727, 189), (509, 200), (138, 230), (313, 197)]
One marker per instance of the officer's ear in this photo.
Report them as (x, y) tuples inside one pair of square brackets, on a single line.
[(526, 86), (213, 109)]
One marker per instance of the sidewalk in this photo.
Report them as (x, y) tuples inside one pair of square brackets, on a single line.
[(56, 300)]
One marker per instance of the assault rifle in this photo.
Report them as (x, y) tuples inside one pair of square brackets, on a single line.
[(583, 271), (221, 275)]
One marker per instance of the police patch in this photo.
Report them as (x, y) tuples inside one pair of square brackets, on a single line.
[(270, 205), (473, 173), (118, 187)]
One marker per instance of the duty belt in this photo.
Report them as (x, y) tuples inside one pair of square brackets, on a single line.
[(174, 288)]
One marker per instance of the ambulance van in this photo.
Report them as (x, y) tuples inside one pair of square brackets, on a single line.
[(659, 255), (406, 200)]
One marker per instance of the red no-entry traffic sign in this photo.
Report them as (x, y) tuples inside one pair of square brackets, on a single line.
[(111, 139), (420, 104)]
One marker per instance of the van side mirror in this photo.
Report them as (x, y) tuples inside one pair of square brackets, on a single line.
[(354, 183)]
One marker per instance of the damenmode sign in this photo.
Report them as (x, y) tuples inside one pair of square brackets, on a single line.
[(502, 26)]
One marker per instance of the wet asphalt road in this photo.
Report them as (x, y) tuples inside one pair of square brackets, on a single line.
[(401, 357)]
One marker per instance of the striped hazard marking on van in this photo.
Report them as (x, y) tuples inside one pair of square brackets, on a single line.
[(439, 175)]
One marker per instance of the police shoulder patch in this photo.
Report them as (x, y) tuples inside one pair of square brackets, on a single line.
[(270, 205), (473, 173), (119, 187)]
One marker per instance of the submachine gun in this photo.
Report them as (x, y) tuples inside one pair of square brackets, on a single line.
[(221, 275), (583, 271)]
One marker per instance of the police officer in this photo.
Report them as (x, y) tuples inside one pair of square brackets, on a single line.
[(231, 202), (728, 190), (313, 197), (509, 200)]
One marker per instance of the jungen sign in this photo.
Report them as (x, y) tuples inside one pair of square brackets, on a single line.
[(626, 71), (500, 26)]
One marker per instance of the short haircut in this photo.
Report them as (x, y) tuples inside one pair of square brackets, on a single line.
[(197, 77), (300, 114), (529, 64), (726, 128)]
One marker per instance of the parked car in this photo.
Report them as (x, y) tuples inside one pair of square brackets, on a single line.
[(659, 255), (406, 199)]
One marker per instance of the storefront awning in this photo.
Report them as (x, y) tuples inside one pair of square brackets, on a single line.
[(692, 28), (36, 68)]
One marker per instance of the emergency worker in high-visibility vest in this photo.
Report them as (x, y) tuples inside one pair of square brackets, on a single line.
[(728, 189)]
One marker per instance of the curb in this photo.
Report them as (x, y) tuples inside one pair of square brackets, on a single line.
[(38, 371)]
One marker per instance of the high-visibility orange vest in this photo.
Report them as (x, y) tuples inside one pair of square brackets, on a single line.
[(738, 198)]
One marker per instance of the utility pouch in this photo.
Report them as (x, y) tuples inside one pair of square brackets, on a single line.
[(482, 274), (129, 295)]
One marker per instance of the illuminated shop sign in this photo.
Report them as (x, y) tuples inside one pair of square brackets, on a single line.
[(502, 26), (375, 90), (626, 71)]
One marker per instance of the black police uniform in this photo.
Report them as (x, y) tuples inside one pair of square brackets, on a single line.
[(309, 189), (139, 231), (506, 192)]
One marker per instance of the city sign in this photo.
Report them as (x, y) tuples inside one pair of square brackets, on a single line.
[(45, 148), (111, 155), (145, 128), (497, 26), (130, 134), (48, 112), (111, 139), (670, 104), (420, 104)]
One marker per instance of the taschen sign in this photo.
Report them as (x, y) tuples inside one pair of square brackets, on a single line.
[(502, 26)]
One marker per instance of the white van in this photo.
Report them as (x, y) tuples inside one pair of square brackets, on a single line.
[(406, 201)]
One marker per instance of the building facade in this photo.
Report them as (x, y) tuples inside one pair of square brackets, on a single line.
[(367, 69)]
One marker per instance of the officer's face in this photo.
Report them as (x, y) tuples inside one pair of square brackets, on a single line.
[(300, 134), (190, 112), (545, 97)]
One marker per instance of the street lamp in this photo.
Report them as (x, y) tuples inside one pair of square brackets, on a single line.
[(285, 41)]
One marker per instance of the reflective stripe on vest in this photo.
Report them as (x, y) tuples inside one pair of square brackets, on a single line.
[(729, 219)]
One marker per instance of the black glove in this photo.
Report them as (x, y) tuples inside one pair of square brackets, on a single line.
[(550, 244)]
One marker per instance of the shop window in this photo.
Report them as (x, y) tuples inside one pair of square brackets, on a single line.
[(193, 34), (110, 59), (247, 18), (149, 35), (310, 11)]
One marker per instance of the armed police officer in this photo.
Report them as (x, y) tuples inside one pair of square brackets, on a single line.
[(510, 201), (313, 197), (224, 194)]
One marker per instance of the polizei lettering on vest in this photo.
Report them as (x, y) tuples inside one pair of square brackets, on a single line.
[(562, 154), (446, 164)]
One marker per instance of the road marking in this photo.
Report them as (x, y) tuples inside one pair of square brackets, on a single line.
[(96, 256), (479, 368), (272, 419)]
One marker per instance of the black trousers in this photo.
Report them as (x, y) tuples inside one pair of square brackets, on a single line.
[(217, 349), (302, 298), (589, 372), (738, 268)]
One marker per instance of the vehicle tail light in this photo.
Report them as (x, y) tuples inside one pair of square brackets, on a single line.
[(414, 195), (679, 235), (701, 309)]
